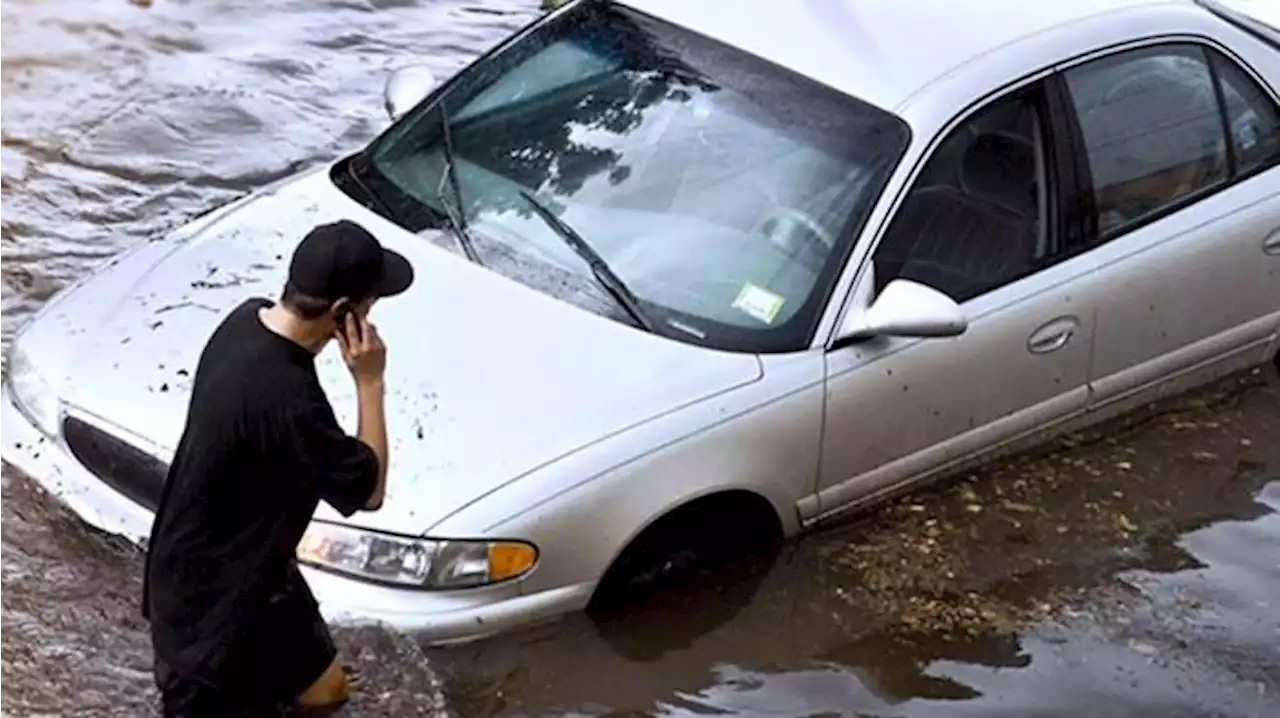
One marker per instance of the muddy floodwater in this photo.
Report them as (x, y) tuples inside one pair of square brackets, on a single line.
[(1129, 573), (1133, 571)]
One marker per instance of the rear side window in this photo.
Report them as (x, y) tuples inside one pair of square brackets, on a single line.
[(1151, 128), (1253, 122), (1162, 125)]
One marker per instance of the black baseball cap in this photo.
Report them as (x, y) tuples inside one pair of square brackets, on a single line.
[(342, 259)]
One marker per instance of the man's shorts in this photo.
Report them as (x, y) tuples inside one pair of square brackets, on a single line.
[(283, 650)]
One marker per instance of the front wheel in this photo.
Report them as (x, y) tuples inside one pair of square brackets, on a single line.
[(689, 541)]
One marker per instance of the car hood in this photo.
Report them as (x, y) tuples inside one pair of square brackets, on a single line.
[(486, 378)]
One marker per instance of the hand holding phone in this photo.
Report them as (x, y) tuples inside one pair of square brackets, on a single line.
[(342, 316), (362, 348)]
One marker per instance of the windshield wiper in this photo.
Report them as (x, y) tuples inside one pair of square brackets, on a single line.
[(457, 219), (603, 273)]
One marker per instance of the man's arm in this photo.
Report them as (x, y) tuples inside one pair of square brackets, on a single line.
[(366, 357), (343, 470), (373, 431)]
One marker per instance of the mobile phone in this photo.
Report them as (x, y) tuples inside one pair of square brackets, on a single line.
[(341, 318)]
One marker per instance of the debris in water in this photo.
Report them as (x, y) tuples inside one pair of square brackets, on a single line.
[(925, 564), (1145, 649)]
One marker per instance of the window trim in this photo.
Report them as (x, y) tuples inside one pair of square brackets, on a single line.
[(1220, 97), (1079, 214), (1095, 238), (1057, 148)]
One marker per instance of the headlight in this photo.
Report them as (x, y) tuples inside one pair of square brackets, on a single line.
[(413, 562), (32, 394)]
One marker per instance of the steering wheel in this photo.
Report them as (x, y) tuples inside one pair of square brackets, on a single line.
[(797, 235)]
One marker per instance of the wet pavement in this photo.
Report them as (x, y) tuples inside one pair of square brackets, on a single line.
[(1135, 571)]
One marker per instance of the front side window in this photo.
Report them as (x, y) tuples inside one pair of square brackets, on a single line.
[(1152, 131), (723, 190), (975, 218)]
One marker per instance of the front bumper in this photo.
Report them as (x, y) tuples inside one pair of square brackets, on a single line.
[(437, 616)]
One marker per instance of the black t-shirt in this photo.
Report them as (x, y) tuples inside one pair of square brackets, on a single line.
[(260, 449)]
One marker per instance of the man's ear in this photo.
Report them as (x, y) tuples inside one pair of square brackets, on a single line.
[(339, 309)]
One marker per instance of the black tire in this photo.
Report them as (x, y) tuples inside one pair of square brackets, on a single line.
[(691, 540)]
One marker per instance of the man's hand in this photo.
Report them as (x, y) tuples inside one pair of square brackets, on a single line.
[(362, 350)]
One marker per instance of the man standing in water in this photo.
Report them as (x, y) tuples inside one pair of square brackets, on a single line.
[(235, 628)]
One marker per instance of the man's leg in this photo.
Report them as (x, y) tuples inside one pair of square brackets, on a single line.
[(184, 697), (327, 689), (301, 653)]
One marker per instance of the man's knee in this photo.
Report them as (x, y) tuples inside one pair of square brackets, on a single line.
[(330, 689)]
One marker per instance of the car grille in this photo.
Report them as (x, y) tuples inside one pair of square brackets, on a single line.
[(122, 466)]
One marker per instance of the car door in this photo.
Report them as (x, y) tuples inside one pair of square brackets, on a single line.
[(1178, 145), (983, 223)]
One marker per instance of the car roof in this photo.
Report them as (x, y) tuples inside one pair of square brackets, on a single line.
[(877, 50)]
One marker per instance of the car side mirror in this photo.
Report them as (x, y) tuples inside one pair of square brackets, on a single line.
[(405, 88), (906, 309)]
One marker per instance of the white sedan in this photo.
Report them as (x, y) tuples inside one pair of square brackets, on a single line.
[(697, 275)]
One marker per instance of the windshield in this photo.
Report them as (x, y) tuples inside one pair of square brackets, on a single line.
[(724, 191)]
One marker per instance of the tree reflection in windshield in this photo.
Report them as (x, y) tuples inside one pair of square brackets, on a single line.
[(715, 184), (558, 149)]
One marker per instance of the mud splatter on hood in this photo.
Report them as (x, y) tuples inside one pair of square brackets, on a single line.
[(486, 377)]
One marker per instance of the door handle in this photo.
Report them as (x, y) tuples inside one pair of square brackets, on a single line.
[(1271, 245), (1051, 342), (1053, 336)]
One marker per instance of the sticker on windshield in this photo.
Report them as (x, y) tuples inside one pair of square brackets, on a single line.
[(758, 302)]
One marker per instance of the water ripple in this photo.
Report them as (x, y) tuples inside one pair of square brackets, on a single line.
[(119, 121)]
